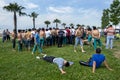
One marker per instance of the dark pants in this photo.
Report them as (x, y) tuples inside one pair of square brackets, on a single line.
[(60, 41), (49, 58), (13, 43), (8, 37), (72, 38), (85, 63), (53, 40), (20, 45), (68, 39), (3, 39)]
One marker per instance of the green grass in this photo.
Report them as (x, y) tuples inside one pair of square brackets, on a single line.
[(23, 65)]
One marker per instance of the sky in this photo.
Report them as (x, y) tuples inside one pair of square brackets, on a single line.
[(87, 12)]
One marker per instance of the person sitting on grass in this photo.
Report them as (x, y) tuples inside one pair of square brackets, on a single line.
[(57, 60), (96, 60)]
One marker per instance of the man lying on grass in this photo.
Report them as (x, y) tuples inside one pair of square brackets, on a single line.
[(96, 60), (59, 61)]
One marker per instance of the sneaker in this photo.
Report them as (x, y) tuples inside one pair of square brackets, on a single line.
[(83, 51), (75, 51), (45, 55), (37, 57)]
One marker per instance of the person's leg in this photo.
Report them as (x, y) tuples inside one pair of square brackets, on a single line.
[(18, 45), (13, 42), (81, 44), (108, 41), (84, 63), (99, 43), (111, 42), (29, 44), (95, 44), (49, 58), (40, 49), (21, 45), (34, 48), (59, 41), (76, 43)]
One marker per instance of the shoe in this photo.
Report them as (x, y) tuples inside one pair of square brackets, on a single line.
[(75, 51), (32, 53), (83, 51), (37, 57), (45, 55)]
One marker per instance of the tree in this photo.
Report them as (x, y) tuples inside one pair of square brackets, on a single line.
[(115, 12), (33, 15), (15, 8), (83, 25), (64, 24), (47, 23), (71, 24), (78, 25), (105, 18), (56, 21)]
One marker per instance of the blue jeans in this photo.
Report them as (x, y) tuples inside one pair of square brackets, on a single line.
[(78, 40), (109, 41)]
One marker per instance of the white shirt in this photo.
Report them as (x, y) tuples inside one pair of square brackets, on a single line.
[(48, 33), (65, 33), (73, 31)]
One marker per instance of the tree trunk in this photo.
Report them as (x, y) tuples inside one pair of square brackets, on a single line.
[(56, 25), (47, 26), (15, 22), (33, 22)]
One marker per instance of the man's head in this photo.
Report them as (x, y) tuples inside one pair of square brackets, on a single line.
[(66, 64), (98, 50), (94, 28)]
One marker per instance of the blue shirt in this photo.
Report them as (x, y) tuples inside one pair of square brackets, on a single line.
[(59, 62), (37, 38), (98, 58)]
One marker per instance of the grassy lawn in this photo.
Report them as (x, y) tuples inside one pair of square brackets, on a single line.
[(23, 65)]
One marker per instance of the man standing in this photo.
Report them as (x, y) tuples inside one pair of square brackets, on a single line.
[(13, 35), (110, 36), (37, 42), (96, 36), (19, 37), (60, 37), (78, 39)]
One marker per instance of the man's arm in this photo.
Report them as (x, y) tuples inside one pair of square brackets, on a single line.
[(94, 67), (106, 65), (62, 71)]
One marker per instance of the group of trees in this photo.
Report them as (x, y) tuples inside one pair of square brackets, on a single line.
[(15, 8), (111, 15)]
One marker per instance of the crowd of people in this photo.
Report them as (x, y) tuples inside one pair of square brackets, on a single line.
[(38, 38)]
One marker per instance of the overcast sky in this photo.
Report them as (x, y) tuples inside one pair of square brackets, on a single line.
[(87, 12)]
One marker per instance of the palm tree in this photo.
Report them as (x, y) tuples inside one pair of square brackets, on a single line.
[(33, 15), (47, 23), (57, 21), (64, 24), (15, 8), (71, 25), (78, 25)]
